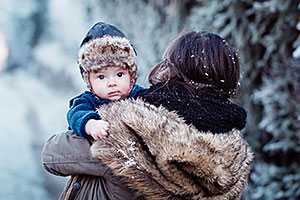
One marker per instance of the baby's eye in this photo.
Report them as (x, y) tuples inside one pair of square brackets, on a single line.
[(101, 76), (120, 74)]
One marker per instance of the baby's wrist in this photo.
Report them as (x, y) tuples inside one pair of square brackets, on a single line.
[(88, 124)]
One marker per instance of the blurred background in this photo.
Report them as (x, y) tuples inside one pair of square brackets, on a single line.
[(39, 40)]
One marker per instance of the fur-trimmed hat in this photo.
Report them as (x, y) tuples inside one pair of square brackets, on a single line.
[(105, 45)]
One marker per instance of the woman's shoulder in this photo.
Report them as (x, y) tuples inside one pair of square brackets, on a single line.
[(165, 136)]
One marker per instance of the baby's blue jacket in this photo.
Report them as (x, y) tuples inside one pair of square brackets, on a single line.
[(83, 108)]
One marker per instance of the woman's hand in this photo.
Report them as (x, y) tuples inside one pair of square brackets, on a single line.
[(97, 128)]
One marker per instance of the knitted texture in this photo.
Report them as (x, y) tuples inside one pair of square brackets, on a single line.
[(205, 108)]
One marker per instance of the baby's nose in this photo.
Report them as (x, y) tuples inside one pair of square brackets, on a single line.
[(111, 82)]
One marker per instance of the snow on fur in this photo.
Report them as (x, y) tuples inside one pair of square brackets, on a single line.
[(155, 152)]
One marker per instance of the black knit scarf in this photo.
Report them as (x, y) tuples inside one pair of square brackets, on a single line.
[(204, 108)]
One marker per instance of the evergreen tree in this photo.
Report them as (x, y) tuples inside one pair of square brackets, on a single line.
[(266, 34)]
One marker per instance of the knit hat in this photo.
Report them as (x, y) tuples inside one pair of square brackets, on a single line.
[(105, 45)]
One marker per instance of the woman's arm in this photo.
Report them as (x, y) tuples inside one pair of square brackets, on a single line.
[(67, 154)]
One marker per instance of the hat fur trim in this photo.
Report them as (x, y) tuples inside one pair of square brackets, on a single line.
[(106, 51)]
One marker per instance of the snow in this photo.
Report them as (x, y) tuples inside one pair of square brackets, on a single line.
[(296, 53)]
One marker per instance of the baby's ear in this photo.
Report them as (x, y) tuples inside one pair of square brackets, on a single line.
[(132, 81)]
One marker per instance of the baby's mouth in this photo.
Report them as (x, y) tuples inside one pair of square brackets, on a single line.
[(114, 93)]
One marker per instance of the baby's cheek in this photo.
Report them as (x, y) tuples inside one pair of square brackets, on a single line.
[(126, 88), (126, 91)]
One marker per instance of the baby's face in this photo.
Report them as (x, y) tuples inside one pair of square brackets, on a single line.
[(111, 83)]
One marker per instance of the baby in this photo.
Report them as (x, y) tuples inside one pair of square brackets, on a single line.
[(107, 65)]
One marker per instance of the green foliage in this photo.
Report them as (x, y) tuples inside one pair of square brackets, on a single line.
[(274, 182), (279, 96)]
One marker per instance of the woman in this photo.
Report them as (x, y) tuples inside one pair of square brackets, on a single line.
[(195, 153)]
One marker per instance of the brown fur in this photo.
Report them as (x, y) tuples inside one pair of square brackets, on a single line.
[(155, 152), (107, 51)]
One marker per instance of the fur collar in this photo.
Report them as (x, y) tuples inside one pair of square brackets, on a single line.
[(154, 151)]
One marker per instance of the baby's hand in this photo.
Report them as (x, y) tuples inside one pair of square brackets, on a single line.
[(96, 128)]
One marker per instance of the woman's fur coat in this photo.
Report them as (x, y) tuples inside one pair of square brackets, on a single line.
[(156, 153)]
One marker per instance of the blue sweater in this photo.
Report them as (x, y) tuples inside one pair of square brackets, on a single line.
[(83, 108)]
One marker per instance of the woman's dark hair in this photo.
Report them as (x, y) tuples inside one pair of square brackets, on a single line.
[(199, 59)]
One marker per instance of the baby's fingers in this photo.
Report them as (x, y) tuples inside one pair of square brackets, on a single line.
[(104, 132), (101, 134), (105, 125), (96, 137)]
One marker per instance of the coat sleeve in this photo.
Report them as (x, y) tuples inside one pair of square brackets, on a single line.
[(67, 154), (81, 110)]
